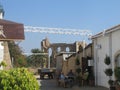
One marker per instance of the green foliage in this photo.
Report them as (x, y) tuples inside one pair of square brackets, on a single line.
[(117, 73), (3, 64), (37, 60), (78, 70), (111, 82), (19, 60), (77, 61), (107, 60), (18, 79), (108, 72)]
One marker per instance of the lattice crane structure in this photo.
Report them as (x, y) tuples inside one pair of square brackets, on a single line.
[(84, 33), (58, 31)]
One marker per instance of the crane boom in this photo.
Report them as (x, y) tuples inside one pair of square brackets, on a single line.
[(57, 31)]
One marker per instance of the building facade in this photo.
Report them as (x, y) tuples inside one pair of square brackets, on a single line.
[(9, 31), (106, 43)]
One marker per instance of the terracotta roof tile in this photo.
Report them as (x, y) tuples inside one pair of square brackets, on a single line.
[(11, 30)]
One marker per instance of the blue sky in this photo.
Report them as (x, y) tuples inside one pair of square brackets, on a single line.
[(94, 15)]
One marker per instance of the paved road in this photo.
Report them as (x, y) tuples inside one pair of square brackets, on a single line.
[(51, 85)]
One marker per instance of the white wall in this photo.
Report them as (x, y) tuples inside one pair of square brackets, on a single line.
[(100, 53), (115, 45), (1, 53), (1, 46), (110, 44), (1, 15)]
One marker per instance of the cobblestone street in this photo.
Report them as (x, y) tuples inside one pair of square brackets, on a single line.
[(51, 85)]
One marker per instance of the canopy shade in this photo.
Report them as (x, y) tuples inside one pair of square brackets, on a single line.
[(10, 30)]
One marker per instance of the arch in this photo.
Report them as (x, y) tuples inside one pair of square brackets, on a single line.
[(58, 49), (67, 49), (50, 51), (117, 58), (80, 48)]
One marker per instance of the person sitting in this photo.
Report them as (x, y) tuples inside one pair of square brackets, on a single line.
[(62, 80), (71, 74), (71, 77)]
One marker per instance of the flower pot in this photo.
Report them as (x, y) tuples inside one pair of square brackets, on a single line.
[(117, 87), (112, 88)]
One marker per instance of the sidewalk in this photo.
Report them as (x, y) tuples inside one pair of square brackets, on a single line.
[(51, 85)]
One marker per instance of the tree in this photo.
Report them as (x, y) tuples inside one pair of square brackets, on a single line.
[(16, 54), (37, 59)]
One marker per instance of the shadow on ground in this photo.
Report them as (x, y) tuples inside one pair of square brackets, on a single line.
[(50, 84)]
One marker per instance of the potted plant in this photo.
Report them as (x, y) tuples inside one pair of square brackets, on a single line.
[(112, 85), (91, 79), (77, 61), (78, 71), (109, 73)]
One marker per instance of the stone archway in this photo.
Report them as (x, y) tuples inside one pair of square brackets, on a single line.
[(56, 48), (117, 59)]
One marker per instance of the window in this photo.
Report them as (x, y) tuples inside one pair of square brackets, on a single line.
[(67, 49), (58, 49)]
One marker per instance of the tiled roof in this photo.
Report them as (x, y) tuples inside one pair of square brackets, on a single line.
[(11, 30)]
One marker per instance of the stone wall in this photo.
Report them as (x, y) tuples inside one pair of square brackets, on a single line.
[(7, 58)]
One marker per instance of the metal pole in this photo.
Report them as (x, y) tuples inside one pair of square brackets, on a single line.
[(48, 61), (83, 48)]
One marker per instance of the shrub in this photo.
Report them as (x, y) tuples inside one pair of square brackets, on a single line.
[(18, 79), (109, 72), (78, 70), (117, 73), (77, 61), (3, 64), (111, 82), (107, 60)]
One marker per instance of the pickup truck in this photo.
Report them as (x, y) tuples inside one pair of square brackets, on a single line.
[(46, 71)]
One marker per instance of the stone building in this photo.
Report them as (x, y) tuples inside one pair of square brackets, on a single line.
[(57, 48), (62, 61), (85, 57), (71, 63)]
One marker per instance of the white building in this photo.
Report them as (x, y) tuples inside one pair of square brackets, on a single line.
[(106, 43), (9, 31), (1, 42)]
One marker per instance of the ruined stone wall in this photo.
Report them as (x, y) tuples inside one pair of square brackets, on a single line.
[(56, 48), (72, 64)]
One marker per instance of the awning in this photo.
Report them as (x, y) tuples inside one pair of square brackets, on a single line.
[(10, 30)]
